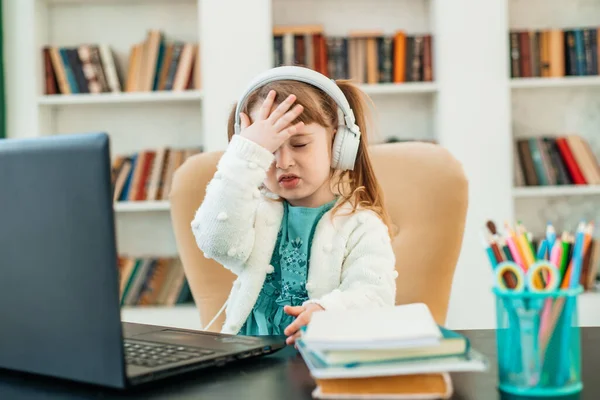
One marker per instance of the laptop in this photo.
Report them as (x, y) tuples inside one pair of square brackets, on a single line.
[(59, 289)]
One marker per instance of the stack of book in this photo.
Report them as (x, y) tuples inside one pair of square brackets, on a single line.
[(147, 175), (364, 56), (563, 160), (397, 352)]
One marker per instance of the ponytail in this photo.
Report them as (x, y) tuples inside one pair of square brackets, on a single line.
[(362, 187)]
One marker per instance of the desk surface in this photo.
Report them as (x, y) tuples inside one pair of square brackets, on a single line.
[(284, 376)]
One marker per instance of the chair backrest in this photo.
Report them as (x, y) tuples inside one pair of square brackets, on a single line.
[(426, 194)]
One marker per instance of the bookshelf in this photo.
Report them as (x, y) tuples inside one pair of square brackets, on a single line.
[(555, 106), (472, 107)]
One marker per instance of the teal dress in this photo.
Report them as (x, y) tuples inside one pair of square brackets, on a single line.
[(290, 260)]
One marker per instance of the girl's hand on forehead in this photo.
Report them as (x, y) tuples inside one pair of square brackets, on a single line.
[(271, 129)]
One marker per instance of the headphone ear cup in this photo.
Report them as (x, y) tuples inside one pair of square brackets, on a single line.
[(337, 147), (345, 148)]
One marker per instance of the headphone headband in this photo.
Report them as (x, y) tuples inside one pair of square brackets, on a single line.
[(305, 75)]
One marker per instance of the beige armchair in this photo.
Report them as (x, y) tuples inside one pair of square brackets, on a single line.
[(426, 194)]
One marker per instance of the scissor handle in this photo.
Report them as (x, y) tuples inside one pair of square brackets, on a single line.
[(508, 267), (553, 277)]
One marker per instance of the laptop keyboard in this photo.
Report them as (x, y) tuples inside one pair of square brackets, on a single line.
[(149, 354)]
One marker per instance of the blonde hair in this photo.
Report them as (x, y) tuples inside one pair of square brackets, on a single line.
[(359, 187)]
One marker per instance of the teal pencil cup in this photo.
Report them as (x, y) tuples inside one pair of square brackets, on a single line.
[(538, 342)]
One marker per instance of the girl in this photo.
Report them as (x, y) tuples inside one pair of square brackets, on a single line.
[(300, 235)]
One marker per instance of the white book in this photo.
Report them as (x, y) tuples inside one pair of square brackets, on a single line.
[(401, 326)]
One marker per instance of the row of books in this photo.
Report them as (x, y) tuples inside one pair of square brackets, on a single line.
[(156, 64), (554, 53), (562, 160), (88, 68), (152, 281), (147, 174), (153, 65), (363, 56)]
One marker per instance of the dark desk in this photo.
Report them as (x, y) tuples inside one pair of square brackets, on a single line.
[(284, 376)]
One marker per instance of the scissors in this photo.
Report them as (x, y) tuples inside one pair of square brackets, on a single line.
[(534, 280), (525, 308)]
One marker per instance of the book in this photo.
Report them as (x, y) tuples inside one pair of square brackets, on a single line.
[(452, 344), (402, 326), (472, 361), (417, 386)]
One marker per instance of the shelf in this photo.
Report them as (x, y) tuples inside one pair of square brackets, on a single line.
[(567, 81), (142, 206), (112, 2), (120, 98), (393, 88), (556, 191)]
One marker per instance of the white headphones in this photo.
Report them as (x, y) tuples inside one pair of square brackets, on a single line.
[(347, 138)]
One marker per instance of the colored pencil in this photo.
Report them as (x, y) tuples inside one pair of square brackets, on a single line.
[(514, 248), (505, 249), (564, 256), (524, 246), (488, 249)]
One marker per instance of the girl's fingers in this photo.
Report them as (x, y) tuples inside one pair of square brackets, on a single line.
[(287, 119), (265, 109), (244, 121), (282, 108), (292, 339), (294, 311), (292, 130)]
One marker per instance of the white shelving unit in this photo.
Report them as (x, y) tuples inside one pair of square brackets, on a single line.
[(471, 108), (555, 107)]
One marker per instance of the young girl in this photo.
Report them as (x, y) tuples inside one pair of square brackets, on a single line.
[(300, 235)]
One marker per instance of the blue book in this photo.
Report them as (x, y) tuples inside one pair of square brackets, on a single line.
[(452, 344), (125, 193), (538, 165), (579, 52), (69, 71)]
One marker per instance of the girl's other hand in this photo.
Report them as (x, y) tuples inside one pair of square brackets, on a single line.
[(271, 129), (303, 315)]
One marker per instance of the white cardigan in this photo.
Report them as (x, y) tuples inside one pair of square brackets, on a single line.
[(352, 263)]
